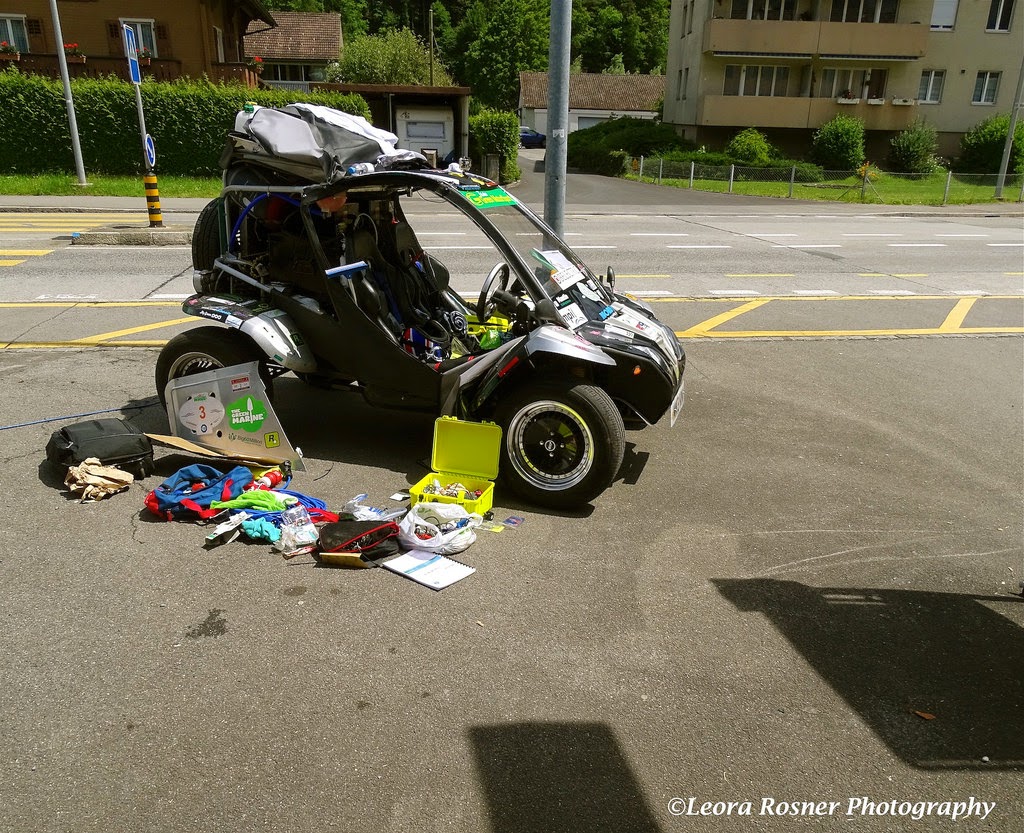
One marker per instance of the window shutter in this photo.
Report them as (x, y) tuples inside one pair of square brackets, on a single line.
[(163, 41), (36, 35), (944, 14), (115, 41)]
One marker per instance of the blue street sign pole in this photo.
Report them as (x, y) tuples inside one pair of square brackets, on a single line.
[(131, 51)]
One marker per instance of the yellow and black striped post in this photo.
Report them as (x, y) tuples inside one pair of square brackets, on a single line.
[(156, 218)]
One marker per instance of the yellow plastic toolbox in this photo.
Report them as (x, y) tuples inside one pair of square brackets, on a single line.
[(465, 453)]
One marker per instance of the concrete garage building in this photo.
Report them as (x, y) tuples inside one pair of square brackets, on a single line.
[(592, 98), (788, 66)]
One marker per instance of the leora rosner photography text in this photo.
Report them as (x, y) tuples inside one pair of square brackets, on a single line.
[(952, 809)]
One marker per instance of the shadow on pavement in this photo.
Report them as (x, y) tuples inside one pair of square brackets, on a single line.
[(937, 676), (558, 778)]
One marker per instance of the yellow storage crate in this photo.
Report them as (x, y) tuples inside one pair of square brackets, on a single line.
[(466, 453)]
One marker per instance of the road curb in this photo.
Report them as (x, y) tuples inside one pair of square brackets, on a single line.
[(133, 237)]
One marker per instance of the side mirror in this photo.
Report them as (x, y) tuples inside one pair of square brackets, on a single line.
[(610, 279)]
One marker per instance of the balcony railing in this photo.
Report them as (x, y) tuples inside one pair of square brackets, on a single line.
[(896, 41), (159, 69), (782, 111)]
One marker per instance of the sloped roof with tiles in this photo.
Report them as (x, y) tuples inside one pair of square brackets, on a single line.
[(299, 36), (590, 91)]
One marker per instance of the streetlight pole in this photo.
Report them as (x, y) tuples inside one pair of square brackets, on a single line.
[(1001, 178), (558, 115), (76, 148)]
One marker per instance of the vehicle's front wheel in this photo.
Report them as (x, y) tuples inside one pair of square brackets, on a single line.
[(562, 442), (203, 349)]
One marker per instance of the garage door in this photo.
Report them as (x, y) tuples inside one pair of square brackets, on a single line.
[(590, 121)]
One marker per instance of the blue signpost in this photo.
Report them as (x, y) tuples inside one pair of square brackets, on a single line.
[(131, 51)]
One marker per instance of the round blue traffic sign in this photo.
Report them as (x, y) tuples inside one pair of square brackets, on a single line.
[(150, 151)]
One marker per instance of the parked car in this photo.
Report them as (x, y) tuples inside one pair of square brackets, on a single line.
[(530, 138)]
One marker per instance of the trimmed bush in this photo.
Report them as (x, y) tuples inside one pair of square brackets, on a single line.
[(981, 148), (751, 147), (914, 150), (188, 120), (839, 144), (493, 131), (597, 149)]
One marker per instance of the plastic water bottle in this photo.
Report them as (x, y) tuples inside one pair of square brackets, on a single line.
[(360, 168)]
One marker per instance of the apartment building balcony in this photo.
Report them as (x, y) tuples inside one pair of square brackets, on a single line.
[(159, 69), (816, 39), (781, 111)]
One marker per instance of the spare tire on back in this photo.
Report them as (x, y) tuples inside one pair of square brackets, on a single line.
[(206, 237)]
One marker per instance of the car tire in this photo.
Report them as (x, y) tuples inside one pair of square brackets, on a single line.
[(562, 442), (206, 240), (207, 348)]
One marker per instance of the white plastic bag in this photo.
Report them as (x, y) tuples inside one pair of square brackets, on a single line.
[(440, 528)]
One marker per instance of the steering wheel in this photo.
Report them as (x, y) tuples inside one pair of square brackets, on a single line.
[(497, 279)]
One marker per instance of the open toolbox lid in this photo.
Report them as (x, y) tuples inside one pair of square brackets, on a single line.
[(469, 448)]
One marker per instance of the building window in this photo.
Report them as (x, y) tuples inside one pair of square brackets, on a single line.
[(944, 14), (999, 16), (689, 18), (686, 11), (863, 11), (762, 10), (985, 88), (145, 34), (741, 79), (930, 91), (679, 86), (12, 30), (218, 44), (686, 81)]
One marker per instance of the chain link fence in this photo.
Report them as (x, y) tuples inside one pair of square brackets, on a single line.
[(868, 185)]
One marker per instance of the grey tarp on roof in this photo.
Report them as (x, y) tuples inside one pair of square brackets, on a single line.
[(319, 142)]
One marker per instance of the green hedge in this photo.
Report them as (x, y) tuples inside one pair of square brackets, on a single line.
[(603, 148), (187, 119), (493, 131)]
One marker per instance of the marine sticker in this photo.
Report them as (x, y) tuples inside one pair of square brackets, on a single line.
[(491, 198), (246, 414)]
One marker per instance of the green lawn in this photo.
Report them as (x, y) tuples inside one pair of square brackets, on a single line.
[(102, 185), (882, 188)]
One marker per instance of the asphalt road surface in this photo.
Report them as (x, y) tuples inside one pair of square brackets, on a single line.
[(801, 600)]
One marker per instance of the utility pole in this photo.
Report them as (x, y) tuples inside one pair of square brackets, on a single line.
[(76, 148), (558, 115), (1014, 113)]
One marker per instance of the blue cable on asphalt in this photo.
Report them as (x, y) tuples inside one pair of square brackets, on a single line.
[(77, 416)]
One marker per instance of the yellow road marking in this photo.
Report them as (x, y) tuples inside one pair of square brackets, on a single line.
[(49, 345), (104, 337), (954, 321), (25, 252), (10, 262), (910, 275), (704, 326)]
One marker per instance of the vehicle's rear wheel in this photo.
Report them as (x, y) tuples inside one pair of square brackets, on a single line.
[(562, 442), (206, 242), (203, 349)]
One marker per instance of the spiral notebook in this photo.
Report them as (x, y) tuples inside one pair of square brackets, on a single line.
[(434, 571)]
